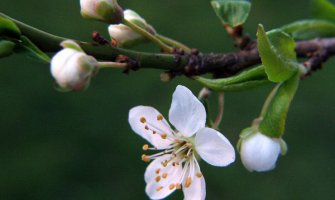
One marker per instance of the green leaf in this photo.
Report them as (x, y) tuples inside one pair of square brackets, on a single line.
[(273, 123), (245, 80), (8, 28), (26, 46), (232, 12), (6, 48), (323, 9), (309, 29), (277, 52)]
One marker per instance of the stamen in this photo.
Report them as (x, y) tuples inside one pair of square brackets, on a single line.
[(146, 158), (158, 170), (158, 130), (145, 147), (172, 186), (199, 175), (188, 182), (164, 136), (159, 188), (158, 178), (146, 127), (178, 186), (165, 175), (143, 120), (164, 163), (159, 117)]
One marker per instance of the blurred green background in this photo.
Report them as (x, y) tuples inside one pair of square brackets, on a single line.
[(79, 146)]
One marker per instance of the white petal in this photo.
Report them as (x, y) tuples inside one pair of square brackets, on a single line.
[(158, 185), (214, 148), (197, 189), (187, 114), (259, 152), (152, 129)]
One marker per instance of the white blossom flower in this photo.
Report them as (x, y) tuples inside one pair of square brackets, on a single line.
[(176, 166), (104, 10), (260, 152), (72, 68)]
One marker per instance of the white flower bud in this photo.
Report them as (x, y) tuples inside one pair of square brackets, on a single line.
[(104, 10), (260, 152), (124, 35), (132, 16), (127, 37), (72, 68), (135, 18)]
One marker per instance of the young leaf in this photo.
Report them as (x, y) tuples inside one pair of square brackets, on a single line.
[(277, 52), (232, 12), (6, 48), (26, 46), (273, 123), (247, 79), (323, 9), (309, 29), (9, 28)]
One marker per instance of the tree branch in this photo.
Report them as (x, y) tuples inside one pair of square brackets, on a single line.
[(220, 64)]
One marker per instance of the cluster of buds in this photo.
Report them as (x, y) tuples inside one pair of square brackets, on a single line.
[(110, 12)]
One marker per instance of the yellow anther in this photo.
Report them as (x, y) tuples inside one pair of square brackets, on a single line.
[(188, 182), (146, 127), (189, 145), (145, 158), (159, 188), (172, 186), (154, 132), (178, 186), (158, 178), (145, 147), (143, 120), (165, 175), (164, 136), (199, 175), (160, 117), (158, 170), (164, 163)]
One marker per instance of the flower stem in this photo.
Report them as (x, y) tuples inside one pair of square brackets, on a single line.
[(268, 101), (112, 65), (174, 43), (218, 119), (149, 36)]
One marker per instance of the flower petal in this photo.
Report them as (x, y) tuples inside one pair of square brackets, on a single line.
[(187, 114), (149, 123), (260, 152), (161, 181), (214, 148), (197, 189)]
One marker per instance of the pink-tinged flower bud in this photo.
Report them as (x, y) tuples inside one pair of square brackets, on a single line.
[(72, 68), (107, 11), (260, 152)]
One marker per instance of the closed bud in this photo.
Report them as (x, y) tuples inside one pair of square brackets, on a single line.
[(72, 68), (103, 10), (260, 152), (125, 35)]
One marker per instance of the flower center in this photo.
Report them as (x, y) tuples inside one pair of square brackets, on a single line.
[(180, 153)]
